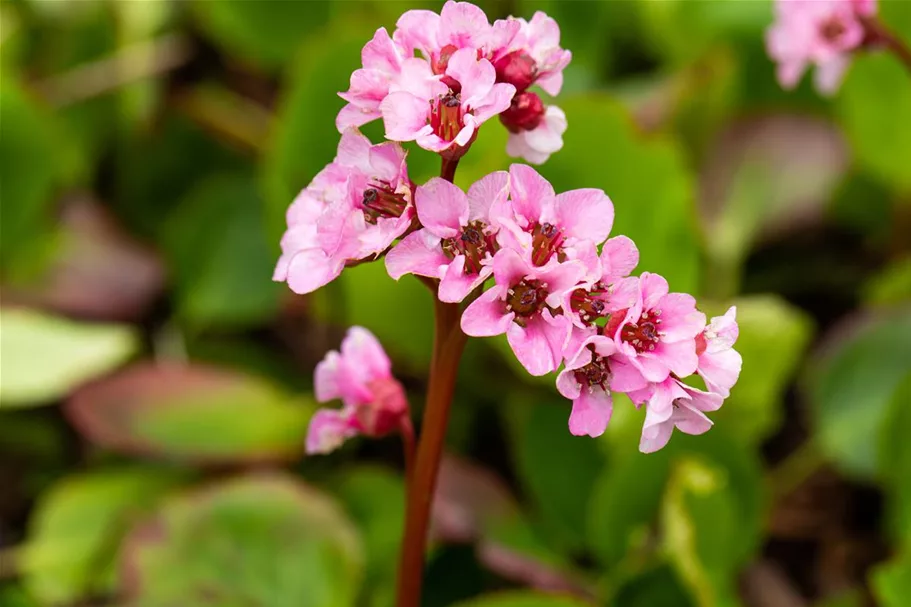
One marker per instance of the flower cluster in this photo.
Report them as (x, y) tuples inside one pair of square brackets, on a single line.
[(821, 32), (557, 286), (374, 402), (440, 76)]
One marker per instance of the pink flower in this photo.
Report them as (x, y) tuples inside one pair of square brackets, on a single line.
[(672, 404), (353, 209), (719, 362), (382, 61), (520, 304), (374, 402), (441, 113), (549, 228), (457, 241), (535, 132), (820, 32), (655, 337), (610, 293), (585, 380)]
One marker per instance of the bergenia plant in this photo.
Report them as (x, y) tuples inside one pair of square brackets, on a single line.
[(826, 34), (509, 256)]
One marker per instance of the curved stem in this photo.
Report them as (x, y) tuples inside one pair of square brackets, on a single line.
[(878, 33), (447, 351)]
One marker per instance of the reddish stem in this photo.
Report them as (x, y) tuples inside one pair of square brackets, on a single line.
[(448, 342), (407, 431), (878, 34)]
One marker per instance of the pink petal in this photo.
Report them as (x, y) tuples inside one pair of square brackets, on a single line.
[(477, 76), (381, 53), (654, 287), (532, 346), (829, 74), (404, 115), (310, 269), (327, 377), (679, 317), (552, 83), (690, 421), (328, 429), (386, 162), (567, 384), (363, 352), (591, 413), (560, 278), (486, 316), (619, 257), (496, 101), (722, 332), (442, 207), (585, 214), (509, 268), (464, 25), (487, 191), (455, 284), (625, 377), (656, 435), (418, 253), (720, 370), (353, 116), (680, 357), (417, 29), (538, 144), (530, 193)]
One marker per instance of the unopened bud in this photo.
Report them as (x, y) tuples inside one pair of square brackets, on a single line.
[(516, 68), (525, 113)]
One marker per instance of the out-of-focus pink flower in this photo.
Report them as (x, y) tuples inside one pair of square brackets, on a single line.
[(520, 304), (535, 132), (719, 362), (550, 228), (823, 33), (374, 402), (655, 337), (440, 114), (585, 380), (457, 241), (671, 404), (353, 209)]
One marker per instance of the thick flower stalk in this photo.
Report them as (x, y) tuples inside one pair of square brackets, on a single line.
[(509, 256)]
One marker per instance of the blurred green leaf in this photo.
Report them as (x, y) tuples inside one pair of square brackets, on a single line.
[(30, 174), (45, 357), (523, 598), (266, 32), (892, 582), (700, 522), (16, 596), (375, 500), (852, 384), (658, 587), (602, 151), (557, 469), (773, 339), (895, 461), (876, 91), (192, 412), (892, 285), (215, 242), (261, 539), (76, 528), (399, 313)]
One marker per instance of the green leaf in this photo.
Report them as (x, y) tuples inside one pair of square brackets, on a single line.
[(375, 499), (29, 172), (77, 526), (192, 412), (772, 341), (261, 539), (523, 598), (215, 242), (601, 150), (266, 32), (892, 582), (557, 469), (852, 384), (658, 587), (45, 357), (875, 92), (700, 522), (891, 286), (895, 461)]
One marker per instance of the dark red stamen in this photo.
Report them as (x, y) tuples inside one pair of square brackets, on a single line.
[(526, 299), (446, 116), (643, 335), (546, 239), (473, 243), (595, 373), (589, 305), (382, 201)]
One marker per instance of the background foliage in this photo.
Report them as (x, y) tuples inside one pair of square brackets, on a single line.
[(156, 384)]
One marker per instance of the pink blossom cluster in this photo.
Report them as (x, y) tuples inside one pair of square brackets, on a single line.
[(440, 76), (824, 33)]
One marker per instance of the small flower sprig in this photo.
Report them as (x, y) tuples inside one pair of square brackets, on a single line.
[(826, 33), (509, 256)]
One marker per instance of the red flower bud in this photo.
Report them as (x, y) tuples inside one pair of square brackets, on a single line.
[(516, 68), (525, 113)]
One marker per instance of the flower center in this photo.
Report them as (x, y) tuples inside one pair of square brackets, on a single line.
[(473, 243), (832, 29), (525, 113), (382, 201), (595, 373), (446, 116), (644, 334), (546, 239), (526, 299), (588, 304)]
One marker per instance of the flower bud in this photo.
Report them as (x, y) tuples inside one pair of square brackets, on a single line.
[(525, 113), (516, 68)]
